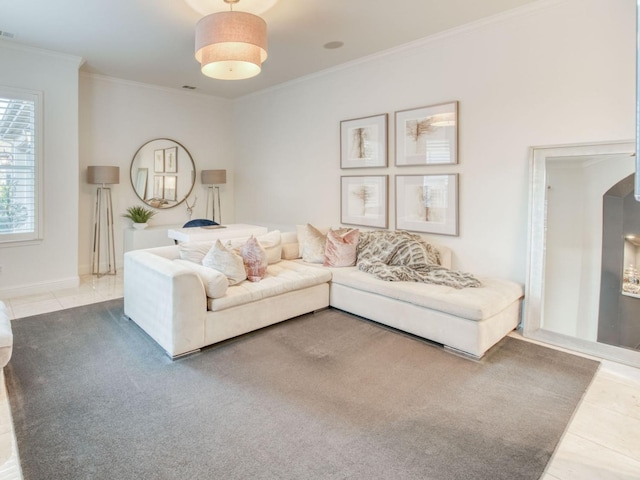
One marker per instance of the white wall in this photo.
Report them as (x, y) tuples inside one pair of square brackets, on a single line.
[(558, 72), (54, 260), (117, 117)]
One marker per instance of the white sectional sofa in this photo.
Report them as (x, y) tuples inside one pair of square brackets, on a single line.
[(170, 302)]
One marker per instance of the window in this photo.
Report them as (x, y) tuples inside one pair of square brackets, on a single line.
[(20, 165)]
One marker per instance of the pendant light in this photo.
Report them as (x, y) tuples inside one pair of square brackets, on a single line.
[(231, 45)]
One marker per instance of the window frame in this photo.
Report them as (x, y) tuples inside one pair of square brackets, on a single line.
[(37, 235)]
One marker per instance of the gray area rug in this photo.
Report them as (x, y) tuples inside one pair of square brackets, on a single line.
[(322, 396)]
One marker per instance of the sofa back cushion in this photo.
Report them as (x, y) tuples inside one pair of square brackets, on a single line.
[(292, 245), (196, 251)]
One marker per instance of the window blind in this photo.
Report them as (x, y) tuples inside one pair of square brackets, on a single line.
[(18, 167)]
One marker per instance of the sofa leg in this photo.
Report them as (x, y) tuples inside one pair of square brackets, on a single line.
[(461, 353), (185, 354)]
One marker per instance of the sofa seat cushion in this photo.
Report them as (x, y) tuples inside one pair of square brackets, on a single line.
[(471, 303), (282, 277)]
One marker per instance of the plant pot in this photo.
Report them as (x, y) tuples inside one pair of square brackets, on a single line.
[(140, 226)]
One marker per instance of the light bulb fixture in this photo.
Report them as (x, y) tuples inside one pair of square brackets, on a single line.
[(231, 45)]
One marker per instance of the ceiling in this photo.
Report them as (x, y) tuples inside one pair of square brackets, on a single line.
[(151, 41)]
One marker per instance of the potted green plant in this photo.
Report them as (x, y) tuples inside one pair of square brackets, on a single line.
[(139, 215)]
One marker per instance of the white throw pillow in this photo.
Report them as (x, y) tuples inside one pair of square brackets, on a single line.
[(225, 261), (301, 231), (313, 245), (215, 282)]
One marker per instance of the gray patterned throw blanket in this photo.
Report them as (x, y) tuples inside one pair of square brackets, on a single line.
[(399, 256)]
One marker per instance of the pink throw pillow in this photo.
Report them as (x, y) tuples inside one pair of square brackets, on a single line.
[(340, 250), (255, 260)]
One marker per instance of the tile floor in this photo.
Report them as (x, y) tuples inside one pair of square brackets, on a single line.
[(602, 442)]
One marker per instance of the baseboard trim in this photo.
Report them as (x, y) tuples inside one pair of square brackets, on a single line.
[(39, 287)]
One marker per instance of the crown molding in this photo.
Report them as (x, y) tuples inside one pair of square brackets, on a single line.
[(19, 47), (149, 86)]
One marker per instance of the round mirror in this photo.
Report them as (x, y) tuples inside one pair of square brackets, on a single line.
[(162, 173)]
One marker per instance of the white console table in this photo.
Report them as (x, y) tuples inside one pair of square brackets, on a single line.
[(222, 232), (152, 236)]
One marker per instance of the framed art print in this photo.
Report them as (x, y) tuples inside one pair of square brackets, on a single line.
[(427, 203), (170, 187), (158, 186), (158, 161), (427, 135), (363, 200), (363, 142), (171, 160)]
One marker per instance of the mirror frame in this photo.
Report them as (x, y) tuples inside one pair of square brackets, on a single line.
[(534, 289), (637, 117), (134, 182)]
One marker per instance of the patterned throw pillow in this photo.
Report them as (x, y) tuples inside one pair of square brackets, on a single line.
[(225, 261), (255, 260), (271, 242), (340, 250)]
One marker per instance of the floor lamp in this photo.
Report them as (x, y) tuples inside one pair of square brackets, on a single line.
[(213, 178), (103, 217)]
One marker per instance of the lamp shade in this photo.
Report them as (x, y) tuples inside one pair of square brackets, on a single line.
[(231, 45), (213, 177), (103, 175)]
